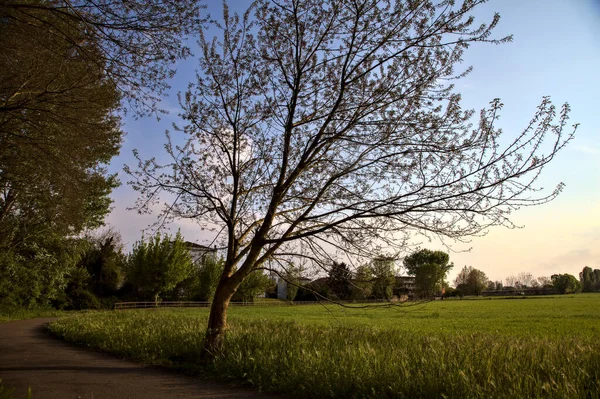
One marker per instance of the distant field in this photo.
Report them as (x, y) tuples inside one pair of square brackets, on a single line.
[(521, 348)]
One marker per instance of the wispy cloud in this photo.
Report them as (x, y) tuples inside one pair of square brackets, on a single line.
[(574, 259), (132, 224), (588, 149)]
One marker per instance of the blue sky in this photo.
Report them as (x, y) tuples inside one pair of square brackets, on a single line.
[(555, 52)]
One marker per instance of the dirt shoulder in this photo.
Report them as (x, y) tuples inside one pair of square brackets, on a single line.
[(57, 370)]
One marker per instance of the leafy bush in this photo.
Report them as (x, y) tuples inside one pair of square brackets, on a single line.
[(339, 280), (36, 273), (81, 299), (565, 283), (256, 283), (362, 286), (104, 261), (77, 296), (209, 274), (307, 292)]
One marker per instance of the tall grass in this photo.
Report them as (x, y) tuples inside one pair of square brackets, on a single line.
[(364, 354), (12, 313), (367, 362), (7, 393)]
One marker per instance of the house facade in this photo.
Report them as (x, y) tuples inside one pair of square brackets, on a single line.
[(405, 284), (282, 285), (200, 252)]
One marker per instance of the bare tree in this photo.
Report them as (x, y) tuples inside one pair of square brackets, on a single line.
[(317, 126), (512, 281), (526, 279), (544, 281)]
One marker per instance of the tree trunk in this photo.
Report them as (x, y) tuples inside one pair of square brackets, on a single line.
[(217, 321)]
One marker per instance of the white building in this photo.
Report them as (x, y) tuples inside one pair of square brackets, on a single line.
[(200, 253)]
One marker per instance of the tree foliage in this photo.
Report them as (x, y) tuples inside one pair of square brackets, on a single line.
[(68, 273), (291, 276), (590, 279), (37, 272), (335, 124), (544, 281), (257, 283), (471, 281), (156, 266), (362, 285), (340, 280), (525, 280), (209, 272), (565, 283), (382, 268), (137, 42), (77, 295), (57, 130), (429, 268), (65, 66), (104, 261)]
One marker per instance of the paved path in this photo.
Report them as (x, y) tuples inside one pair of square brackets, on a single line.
[(57, 370)]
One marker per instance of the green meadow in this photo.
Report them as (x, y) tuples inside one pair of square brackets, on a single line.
[(12, 313), (521, 348)]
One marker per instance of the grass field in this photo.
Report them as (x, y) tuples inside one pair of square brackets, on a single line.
[(524, 348), (11, 313)]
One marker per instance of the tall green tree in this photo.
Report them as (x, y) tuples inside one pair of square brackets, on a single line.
[(65, 67), (471, 281), (565, 283), (588, 279), (37, 272), (57, 131), (339, 280), (104, 261), (156, 266), (257, 283), (362, 284), (292, 275), (209, 272), (429, 268), (137, 42), (383, 277), (336, 123)]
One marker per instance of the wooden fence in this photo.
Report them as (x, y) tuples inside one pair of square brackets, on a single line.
[(521, 292), (142, 305), (192, 304)]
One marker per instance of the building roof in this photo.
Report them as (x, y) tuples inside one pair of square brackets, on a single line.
[(193, 245)]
